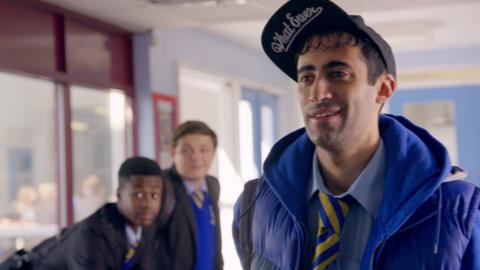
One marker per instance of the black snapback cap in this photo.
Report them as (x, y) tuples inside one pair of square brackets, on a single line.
[(286, 32)]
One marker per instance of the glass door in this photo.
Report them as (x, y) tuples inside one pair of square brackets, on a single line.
[(258, 130)]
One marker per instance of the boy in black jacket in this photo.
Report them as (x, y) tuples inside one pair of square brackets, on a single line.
[(192, 235), (118, 235)]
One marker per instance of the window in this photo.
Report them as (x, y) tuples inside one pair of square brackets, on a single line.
[(47, 123), (448, 113), (248, 168), (99, 129), (28, 182), (437, 117)]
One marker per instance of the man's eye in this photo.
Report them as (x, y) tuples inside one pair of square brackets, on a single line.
[(306, 78), (155, 196), (204, 150), (340, 75), (139, 195), (186, 151)]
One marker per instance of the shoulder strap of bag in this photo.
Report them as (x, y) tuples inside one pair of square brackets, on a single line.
[(246, 217)]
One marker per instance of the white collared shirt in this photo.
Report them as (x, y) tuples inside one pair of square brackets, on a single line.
[(133, 236), (190, 189), (368, 191)]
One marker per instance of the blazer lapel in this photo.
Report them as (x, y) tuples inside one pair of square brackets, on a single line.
[(184, 202), (213, 191)]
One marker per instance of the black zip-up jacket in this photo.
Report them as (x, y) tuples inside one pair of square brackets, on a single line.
[(99, 242)]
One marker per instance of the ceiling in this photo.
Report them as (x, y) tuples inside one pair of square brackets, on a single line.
[(407, 25)]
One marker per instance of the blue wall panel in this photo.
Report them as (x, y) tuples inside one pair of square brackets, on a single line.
[(467, 119)]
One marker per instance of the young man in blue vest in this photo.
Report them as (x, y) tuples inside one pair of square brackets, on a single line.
[(354, 189), (193, 239), (118, 236)]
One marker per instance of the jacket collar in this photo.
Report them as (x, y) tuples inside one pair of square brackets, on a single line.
[(416, 164)]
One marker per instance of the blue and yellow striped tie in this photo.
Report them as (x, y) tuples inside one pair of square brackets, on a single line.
[(332, 213), (198, 198), (128, 263)]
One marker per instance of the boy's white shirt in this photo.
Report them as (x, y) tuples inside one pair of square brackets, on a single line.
[(133, 236), (190, 189)]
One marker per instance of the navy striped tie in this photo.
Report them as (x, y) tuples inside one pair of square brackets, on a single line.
[(332, 214)]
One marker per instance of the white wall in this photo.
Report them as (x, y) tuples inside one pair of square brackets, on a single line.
[(439, 58), (159, 55), (171, 47)]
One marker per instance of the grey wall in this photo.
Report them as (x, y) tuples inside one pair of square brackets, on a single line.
[(143, 99), (211, 53)]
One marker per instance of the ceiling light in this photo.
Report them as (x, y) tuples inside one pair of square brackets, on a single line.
[(196, 3), (78, 126)]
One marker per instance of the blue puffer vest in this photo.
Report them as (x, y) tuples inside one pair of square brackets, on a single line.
[(427, 220)]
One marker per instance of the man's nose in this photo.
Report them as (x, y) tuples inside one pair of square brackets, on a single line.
[(195, 156), (319, 91), (148, 202)]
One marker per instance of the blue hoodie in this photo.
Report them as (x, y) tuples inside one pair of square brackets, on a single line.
[(424, 222)]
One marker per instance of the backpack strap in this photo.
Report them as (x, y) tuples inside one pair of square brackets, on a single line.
[(245, 220), (20, 260), (456, 173)]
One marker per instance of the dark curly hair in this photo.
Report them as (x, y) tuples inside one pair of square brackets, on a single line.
[(344, 37), (137, 166)]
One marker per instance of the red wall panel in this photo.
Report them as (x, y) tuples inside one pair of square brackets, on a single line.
[(96, 55), (122, 63), (27, 39), (42, 40)]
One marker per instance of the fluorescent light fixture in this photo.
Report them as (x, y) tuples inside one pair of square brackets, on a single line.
[(101, 110), (78, 126), (197, 3)]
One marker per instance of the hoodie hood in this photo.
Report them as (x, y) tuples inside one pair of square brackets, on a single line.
[(416, 164)]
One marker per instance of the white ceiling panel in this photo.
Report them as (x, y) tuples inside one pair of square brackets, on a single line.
[(407, 24)]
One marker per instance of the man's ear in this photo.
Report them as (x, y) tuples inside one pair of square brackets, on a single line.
[(386, 86), (119, 196)]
